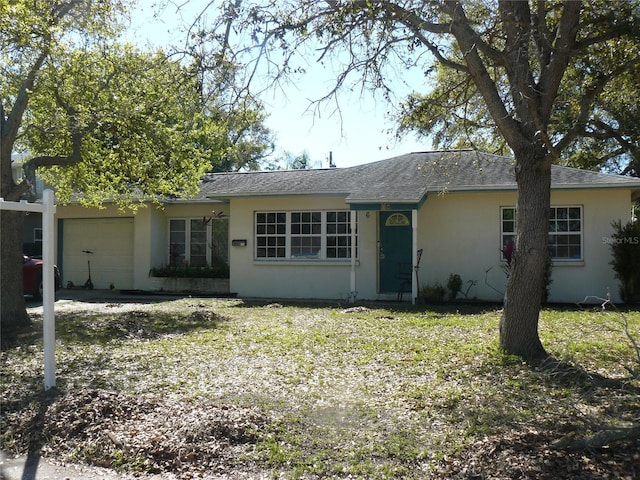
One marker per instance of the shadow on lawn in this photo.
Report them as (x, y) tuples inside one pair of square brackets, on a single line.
[(566, 374), (445, 308), (31, 434), (104, 327)]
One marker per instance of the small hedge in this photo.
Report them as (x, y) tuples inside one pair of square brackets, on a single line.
[(217, 270)]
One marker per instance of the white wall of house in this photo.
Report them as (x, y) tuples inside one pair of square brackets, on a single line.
[(159, 241), (595, 276), (460, 233), (298, 278)]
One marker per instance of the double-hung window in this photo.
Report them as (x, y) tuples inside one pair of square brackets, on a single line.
[(339, 234), (317, 234), (565, 231), (271, 234), (306, 234)]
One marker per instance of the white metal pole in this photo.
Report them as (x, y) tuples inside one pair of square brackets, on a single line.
[(354, 250), (414, 255), (48, 295)]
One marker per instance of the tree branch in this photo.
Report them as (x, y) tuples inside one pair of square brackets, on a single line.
[(587, 100), (466, 39), (551, 74), (14, 119)]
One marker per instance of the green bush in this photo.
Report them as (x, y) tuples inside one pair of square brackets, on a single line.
[(625, 248), (433, 293), (217, 269), (454, 285)]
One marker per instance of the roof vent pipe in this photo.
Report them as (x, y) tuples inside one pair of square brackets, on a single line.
[(331, 164)]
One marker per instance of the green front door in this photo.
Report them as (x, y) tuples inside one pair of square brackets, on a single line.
[(395, 248)]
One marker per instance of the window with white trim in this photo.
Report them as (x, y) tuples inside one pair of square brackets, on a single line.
[(271, 234), (197, 242), (339, 234), (306, 234), (565, 231), (318, 234)]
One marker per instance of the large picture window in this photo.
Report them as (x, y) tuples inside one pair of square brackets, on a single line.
[(198, 243), (565, 231), (324, 235)]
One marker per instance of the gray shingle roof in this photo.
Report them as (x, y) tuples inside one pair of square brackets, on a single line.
[(403, 179)]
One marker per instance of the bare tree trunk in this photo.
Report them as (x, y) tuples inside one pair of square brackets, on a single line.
[(519, 323), (13, 312)]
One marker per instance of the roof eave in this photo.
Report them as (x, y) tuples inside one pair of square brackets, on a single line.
[(276, 194), (565, 186)]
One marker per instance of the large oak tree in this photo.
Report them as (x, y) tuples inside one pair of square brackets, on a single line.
[(520, 57)]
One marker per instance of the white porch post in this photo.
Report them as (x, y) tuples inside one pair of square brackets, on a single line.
[(48, 210), (354, 250), (49, 290), (414, 256)]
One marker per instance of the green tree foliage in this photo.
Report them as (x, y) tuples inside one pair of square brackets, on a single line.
[(33, 34), (598, 104), (132, 122), (453, 115), (530, 63), (625, 248), (247, 142), (611, 139), (102, 120)]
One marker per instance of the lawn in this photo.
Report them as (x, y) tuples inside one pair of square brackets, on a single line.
[(195, 387)]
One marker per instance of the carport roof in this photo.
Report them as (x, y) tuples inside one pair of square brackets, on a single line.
[(406, 179)]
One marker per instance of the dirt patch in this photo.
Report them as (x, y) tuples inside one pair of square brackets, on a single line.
[(151, 435)]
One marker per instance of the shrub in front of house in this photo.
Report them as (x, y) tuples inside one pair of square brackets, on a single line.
[(625, 248), (433, 292), (217, 269), (454, 285)]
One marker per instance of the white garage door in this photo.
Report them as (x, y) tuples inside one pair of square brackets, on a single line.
[(110, 240)]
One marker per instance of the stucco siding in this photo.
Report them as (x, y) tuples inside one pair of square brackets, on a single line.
[(251, 277), (460, 234), (572, 282), (150, 231), (156, 221)]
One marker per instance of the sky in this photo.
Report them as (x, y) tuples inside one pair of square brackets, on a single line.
[(361, 132)]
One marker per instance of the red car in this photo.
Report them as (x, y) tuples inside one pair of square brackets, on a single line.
[(32, 276)]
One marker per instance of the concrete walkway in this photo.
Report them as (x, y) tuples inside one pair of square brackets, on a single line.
[(33, 467)]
